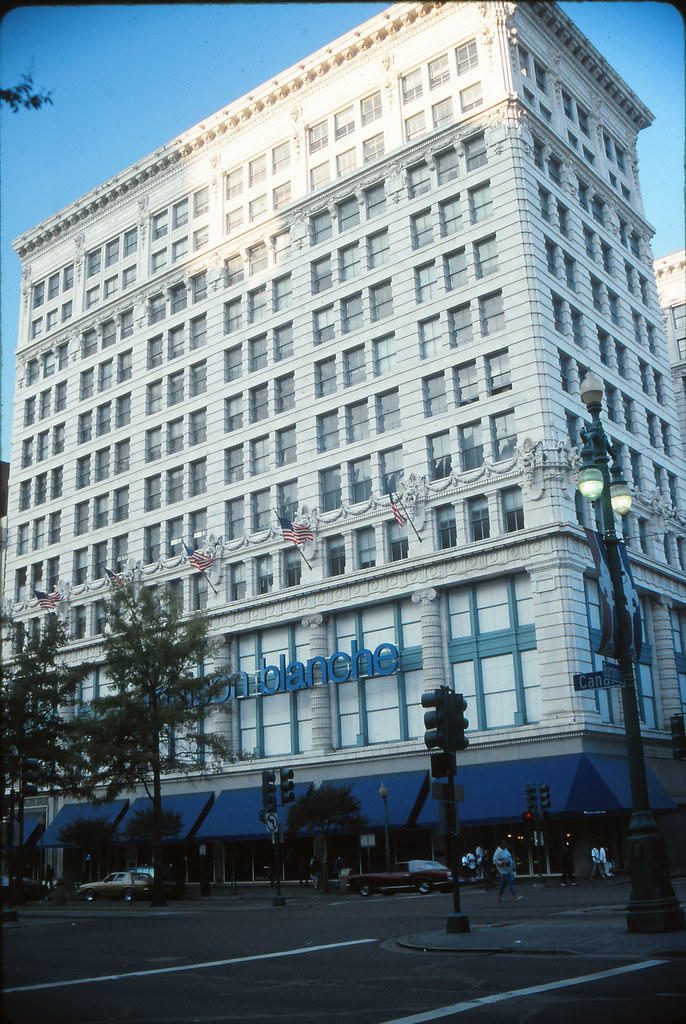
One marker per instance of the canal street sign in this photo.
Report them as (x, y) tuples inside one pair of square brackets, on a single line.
[(610, 675)]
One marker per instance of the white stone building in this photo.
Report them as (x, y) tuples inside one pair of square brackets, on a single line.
[(388, 268)]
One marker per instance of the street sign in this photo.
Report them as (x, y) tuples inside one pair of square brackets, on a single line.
[(271, 822), (610, 675)]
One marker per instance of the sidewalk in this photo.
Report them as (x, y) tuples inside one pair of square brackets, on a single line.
[(592, 931)]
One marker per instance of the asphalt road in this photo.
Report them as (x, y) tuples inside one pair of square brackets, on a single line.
[(314, 960)]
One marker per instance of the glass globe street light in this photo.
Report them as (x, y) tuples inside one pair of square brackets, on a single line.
[(652, 907)]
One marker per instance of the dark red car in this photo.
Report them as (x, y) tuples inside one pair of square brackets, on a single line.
[(420, 875)]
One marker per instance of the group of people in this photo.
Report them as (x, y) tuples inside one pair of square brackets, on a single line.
[(479, 866), (602, 865)]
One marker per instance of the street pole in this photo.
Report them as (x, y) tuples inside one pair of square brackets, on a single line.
[(652, 907), (383, 793)]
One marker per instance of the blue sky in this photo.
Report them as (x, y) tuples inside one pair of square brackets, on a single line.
[(128, 78)]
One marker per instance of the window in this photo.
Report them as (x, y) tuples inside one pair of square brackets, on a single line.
[(503, 435), (197, 379), (335, 555), (471, 446), (391, 469), (455, 269), (370, 108), (480, 203), (396, 536), (157, 309), (321, 227), (425, 282), (318, 136), (321, 274), (418, 180), (286, 451), (323, 325), (152, 489), (471, 97), (120, 505), (383, 352), (467, 57), (421, 229), (439, 71), (415, 125), (257, 353), (433, 391), (381, 300), (512, 507), (411, 85), (365, 542), (283, 342), (284, 393), (360, 478), (439, 456), (175, 388), (356, 421), (319, 175), (475, 152), (378, 250), (327, 431), (197, 477), (498, 372), (478, 518), (354, 366), (429, 337), (348, 213), (485, 256), (349, 262), (344, 122), (325, 377), (330, 488), (491, 313), (259, 403), (466, 383), (292, 567), (460, 325), (197, 427), (373, 147), (387, 411), (352, 316), (375, 200), (175, 436), (446, 527), (233, 363)]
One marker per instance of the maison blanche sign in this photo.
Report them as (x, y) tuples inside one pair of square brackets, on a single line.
[(338, 667)]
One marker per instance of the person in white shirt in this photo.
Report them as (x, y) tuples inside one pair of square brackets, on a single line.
[(505, 866)]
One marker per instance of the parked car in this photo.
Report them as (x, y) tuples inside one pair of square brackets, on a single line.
[(31, 888), (173, 886), (420, 875), (126, 885)]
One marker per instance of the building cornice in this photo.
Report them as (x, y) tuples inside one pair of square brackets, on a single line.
[(398, 18)]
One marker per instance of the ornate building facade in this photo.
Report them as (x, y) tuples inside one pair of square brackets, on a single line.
[(363, 298)]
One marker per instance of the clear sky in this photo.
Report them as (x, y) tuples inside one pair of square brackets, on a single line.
[(128, 78)]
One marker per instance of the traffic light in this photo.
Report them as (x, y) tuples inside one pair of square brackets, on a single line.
[(437, 719), (531, 793), (30, 774), (458, 723), (286, 785), (442, 765), (676, 723), (269, 790), (544, 798)]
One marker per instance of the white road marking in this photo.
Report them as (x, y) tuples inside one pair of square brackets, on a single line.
[(189, 967), (499, 997)]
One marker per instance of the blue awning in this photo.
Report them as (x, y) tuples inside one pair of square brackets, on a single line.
[(235, 814), (191, 806), (407, 792), (111, 812), (579, 784), (32, 827)]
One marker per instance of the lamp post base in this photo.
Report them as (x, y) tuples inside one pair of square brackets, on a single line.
[(653, 908), (456, 923)]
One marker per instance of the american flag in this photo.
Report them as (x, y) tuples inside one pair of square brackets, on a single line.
[(198, 560), (48, 602), (115, 578), (294, 531), (397, 514)]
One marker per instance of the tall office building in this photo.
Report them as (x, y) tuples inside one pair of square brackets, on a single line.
[(363, 298)]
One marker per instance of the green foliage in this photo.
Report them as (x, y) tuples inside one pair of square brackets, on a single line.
[(325, 809), (23, 95), (37, 692), (86, 832), (140, 827)]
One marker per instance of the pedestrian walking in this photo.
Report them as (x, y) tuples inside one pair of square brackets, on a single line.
[(487, 870), (479, 852), (316, 872), (608, 863), (505, 866), (567, 862), (596, 863)]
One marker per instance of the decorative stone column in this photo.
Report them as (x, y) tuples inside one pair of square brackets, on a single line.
[(665, 677), (433, 657), (320, 694)]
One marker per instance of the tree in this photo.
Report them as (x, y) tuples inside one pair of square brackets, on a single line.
[(322, 811), (23, 95), (141, 826), (37, 696), (150, 722), (88, 833)]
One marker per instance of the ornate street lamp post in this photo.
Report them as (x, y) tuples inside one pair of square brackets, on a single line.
[(383, 793), (653, 907)]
